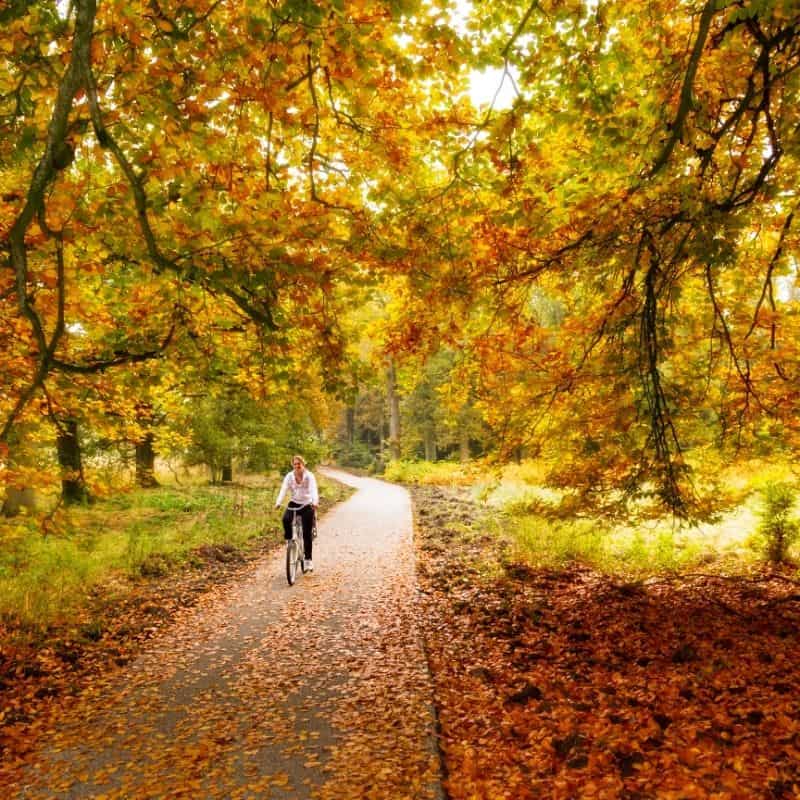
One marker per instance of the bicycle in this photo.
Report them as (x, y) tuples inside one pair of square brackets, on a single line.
[(295, 547)]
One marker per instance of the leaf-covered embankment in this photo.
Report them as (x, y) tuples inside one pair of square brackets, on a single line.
[(576, 684)]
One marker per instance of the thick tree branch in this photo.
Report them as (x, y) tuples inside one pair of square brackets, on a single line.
[(545, 263), (43, 175), (108, 142), (685, 102), (122, 357), (159, 259)]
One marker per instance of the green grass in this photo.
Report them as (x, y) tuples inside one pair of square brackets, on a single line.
[(441, 473), (536, 538), (525, 522), (545, 544), (556, 544), (46, 579), (643, 549)]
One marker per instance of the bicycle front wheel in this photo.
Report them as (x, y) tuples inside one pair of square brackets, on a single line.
[(291, 561)]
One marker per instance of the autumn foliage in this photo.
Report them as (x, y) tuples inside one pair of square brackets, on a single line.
[(575, 684), (206, 189)]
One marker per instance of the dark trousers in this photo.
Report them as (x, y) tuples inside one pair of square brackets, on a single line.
[(307, 515)]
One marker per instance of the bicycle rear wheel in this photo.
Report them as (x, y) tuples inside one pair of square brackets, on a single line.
[(292, 561), (298, 537)]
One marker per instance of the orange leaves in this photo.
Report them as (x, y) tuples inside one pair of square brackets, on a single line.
[(239, 127), (566, 685), (320, 691)]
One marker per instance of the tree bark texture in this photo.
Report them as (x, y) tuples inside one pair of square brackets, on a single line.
[(73, 486)]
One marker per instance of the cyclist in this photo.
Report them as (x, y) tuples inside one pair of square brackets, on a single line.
[(301, 485)]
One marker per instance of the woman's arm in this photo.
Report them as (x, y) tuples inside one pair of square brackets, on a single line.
[(282, 492)]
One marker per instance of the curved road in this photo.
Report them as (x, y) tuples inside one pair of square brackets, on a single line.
[(318, 691)]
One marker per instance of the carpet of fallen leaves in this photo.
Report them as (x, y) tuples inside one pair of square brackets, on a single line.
[(578, 685), (42, 672)]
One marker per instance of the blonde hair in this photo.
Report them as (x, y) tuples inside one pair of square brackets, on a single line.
[(298, 458)]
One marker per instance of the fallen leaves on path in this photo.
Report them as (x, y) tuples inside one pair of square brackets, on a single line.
[(42, 672), (258, 689), (575, 685)]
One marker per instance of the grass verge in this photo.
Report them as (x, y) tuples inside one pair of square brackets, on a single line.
[(83, 602)]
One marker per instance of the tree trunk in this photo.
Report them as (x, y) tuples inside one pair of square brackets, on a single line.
[(145, 463), (463, 444), (350, 422), (73, 486), (430, 445), (227, 470), (18, 497), (394, 412)]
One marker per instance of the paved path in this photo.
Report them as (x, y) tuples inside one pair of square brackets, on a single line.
[(268, 691)]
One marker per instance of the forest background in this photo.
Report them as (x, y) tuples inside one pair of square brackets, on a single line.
[(233, 231)]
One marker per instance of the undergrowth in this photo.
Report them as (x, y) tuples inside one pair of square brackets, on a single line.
[(518, 496), (430, 473), (554, 544)]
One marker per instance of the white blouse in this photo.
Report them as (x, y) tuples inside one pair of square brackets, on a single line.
[(302, 492)]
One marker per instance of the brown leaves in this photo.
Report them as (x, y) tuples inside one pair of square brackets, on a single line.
[(41, 676), (564, 685), (319, 690)]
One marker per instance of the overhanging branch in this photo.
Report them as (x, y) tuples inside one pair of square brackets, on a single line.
[(685, 103)]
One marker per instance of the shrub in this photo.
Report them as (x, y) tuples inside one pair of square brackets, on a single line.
[(357, 454), (778, 529)]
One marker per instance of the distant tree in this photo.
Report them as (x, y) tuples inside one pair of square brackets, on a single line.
[(68, 446)]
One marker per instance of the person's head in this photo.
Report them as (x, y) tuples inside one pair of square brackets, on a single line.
[(298, 463)]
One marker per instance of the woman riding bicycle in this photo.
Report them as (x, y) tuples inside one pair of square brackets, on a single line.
[(304, 499)]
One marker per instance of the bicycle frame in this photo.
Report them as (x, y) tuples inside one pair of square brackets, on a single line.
[(295, 547)]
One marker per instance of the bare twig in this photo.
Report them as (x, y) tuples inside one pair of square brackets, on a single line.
[(766, 290)]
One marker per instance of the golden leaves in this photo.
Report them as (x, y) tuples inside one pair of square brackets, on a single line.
[(316, 691)]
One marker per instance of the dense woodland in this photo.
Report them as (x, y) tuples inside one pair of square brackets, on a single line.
[(231, 230)]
